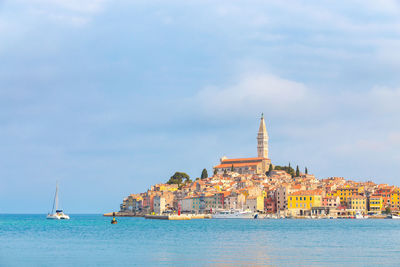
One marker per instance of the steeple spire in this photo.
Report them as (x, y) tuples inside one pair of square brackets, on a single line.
[(262, 139)]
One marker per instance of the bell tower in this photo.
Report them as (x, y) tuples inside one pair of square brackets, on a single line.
[(262, 139)]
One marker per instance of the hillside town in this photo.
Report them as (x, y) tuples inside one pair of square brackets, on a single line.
[(257, 185)]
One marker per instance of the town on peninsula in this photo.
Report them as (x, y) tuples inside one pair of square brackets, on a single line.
[(259, 186)]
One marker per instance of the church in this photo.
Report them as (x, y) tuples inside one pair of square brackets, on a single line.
[(257, 165)]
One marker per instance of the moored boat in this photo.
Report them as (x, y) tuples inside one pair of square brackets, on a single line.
[(394, 216), (360, 216), (235, 214)]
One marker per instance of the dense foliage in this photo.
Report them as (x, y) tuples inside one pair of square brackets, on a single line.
[(204, 174), (287, 169), (179, 178)]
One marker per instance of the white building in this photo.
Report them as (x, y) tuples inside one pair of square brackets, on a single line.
[(281, 194), (187, 204), (159, 205)]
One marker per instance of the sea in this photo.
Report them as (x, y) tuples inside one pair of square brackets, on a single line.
[(91, 240)]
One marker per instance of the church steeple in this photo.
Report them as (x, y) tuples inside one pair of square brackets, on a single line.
[(262, 139)]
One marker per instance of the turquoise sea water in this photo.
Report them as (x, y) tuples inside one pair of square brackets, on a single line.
[(90, 240)]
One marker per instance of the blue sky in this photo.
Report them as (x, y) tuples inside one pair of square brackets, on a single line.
[(109, 97)]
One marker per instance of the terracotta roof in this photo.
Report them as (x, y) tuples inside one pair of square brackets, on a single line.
[(242, 159), (227, 165)]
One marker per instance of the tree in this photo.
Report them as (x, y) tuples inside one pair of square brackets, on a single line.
[(215, 171), (232, 169), (270, 169), (297, 171), (387, 210), (306, 171), (225, 172), (287, 169), (178, 178), (204, 174)]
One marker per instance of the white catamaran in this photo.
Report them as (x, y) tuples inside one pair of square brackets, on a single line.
[(59, 214)]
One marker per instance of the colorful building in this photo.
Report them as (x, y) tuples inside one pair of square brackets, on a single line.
[(301, 202), (346, 192), (357, 203), (375, 203), (331, 202), (394, 200), (255, 203)]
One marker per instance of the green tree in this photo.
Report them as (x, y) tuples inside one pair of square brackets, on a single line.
[(306, 171), (215, 171), (179, 178), (297, 171), (387, 210), (225, 172), (270, 169), (287, 169), (232, 169), (204, 174)]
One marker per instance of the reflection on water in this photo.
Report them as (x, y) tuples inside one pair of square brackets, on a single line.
[(92, 240)]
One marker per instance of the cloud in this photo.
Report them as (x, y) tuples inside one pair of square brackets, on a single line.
[(253, 93), (72, 12), (87, 6)]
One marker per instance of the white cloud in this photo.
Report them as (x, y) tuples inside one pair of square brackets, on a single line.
[(254, 93), (385, 99), (73, 12), (86, 6)]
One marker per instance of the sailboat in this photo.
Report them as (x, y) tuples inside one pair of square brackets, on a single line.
[(59, 214)]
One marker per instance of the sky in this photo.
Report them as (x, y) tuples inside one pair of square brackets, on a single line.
[(109, 97)]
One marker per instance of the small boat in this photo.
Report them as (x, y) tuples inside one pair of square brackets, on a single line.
[(393, 216), (271, 216), (59, 214), (235, 214), (360, 216)]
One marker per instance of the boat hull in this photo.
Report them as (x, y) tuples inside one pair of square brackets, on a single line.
[(234, 215), (57, 217)]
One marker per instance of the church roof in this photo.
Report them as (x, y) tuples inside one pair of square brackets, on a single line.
[(240, 162), (226, 165), (259, 159)]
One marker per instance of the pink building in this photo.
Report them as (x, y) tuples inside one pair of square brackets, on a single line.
[(331, 202), (270, 205)]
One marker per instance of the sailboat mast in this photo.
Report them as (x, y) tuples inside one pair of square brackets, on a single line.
[(55, 202)]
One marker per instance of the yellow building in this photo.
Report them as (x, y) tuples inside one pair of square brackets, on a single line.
[(164, 187), (394, 200), (375, 203), (346, 192), (301, 202), (255, 203), (357, 203)]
